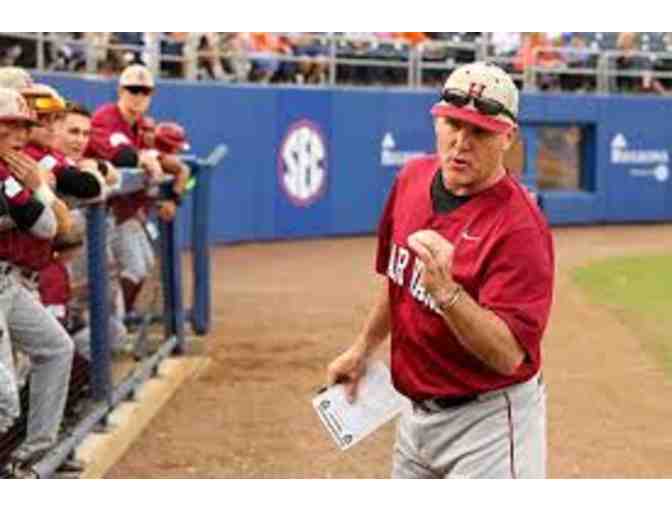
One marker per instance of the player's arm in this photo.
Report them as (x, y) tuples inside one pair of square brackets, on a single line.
[(350, 366), (81, 183), (26, 212), (481, 332), (172, 165), (27, 173), (504, 325)]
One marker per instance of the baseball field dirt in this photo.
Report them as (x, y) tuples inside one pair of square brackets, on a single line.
[(282, 311)]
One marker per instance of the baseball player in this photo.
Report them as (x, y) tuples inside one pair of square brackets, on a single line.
[(170, 139), (24, 322), (72, 138), (115, 137), (469, 265)]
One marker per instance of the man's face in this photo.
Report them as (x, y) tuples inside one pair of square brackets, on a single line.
[(470, 156), (13, 135), (45, 134), (135, 101), (73, 135)]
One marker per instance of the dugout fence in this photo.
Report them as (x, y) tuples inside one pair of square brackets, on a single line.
[(161, 328)]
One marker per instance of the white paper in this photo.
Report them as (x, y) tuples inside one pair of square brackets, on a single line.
[(377, 403)]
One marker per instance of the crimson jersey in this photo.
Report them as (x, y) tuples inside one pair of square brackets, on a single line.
[(48, 159), (504, 260), (17, 246), (110, 133), (54, 288)]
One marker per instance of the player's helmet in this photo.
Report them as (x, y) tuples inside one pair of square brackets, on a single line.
[(170, 137)]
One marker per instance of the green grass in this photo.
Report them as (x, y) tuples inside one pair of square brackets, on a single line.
[(638, 290)]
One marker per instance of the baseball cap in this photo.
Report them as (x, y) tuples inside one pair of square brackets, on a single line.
[(13, 107), (170, 137), (17, 79), (482, 94), (45, 99), (136, 75)]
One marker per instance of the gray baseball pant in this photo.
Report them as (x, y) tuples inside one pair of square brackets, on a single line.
[(132, 250), (28, 326), (500, 435)]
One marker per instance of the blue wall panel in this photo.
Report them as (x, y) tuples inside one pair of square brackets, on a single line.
[(367, 134)]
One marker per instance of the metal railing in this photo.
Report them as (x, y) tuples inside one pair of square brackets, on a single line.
[(409, 66)]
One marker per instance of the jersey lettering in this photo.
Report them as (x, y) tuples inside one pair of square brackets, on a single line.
[(399, 259)]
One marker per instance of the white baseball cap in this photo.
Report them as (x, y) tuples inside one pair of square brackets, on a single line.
[(480, 93), (13, 107), (136, 75), (18, 79)]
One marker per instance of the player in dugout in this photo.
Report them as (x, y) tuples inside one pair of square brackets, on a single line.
[(116, 136)]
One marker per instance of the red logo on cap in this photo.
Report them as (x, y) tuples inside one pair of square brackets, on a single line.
[(476, 89)]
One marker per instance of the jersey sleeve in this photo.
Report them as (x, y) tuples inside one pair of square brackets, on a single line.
[(518, 286), (385, 232), (107, 138)]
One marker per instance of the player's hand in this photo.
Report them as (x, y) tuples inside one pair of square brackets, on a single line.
[(149, 162), (113, 176), (348, 369), (436, 254), (25, 169), (167, 210)]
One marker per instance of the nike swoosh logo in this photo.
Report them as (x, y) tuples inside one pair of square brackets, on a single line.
[(466, 236)]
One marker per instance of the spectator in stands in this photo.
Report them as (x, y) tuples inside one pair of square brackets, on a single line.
[(222, 56), (172, 46), (631, 60), (580, 57), (313, 66), (537, 51), (505, 44), (264, 48)]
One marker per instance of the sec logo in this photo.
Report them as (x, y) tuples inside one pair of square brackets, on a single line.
[(302, 163)]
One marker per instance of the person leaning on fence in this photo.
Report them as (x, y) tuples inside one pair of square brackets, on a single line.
[(72, 138), (170, 139), (115, 136), (468, 261), (24, 321)]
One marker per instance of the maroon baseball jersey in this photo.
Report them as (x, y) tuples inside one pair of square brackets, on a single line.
[(16, 246), (504, 260), (55, 289), (48, 159), (109, 134)]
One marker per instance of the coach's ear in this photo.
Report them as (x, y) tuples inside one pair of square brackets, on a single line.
[(510, 138)]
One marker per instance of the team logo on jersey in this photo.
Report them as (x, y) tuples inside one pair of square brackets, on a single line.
[(399, 260), (117, 139), (302, 163)]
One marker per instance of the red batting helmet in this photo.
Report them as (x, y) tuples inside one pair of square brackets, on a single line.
[(170, 137)]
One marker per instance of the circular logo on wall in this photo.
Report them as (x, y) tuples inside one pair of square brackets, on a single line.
[(302, 163)]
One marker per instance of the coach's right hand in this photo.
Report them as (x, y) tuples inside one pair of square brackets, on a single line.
[(348, 369)]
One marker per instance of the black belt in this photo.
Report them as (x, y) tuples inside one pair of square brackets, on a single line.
[(442, 403)]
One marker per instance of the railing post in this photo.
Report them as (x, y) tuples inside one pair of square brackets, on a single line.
[(190, 62), (171, 278), (603, 76), (96, 230), (40, 52), (332, 59), (200, 239)]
